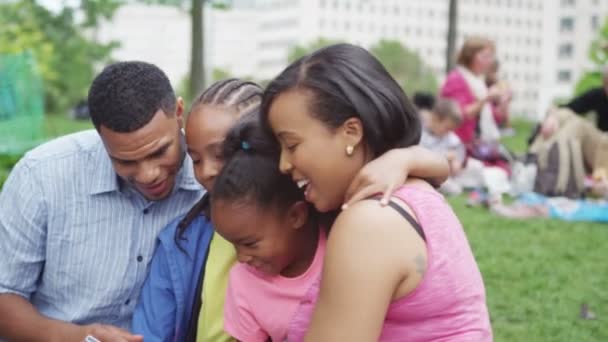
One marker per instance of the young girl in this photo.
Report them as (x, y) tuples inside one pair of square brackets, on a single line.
[(394, 273), (182, 298), (279, 245)]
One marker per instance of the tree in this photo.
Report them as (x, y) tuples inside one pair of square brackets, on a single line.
[(451, 37), (196, 79), (405, 66), (598, 54), (65, 57), (197, 61), (299, 51)]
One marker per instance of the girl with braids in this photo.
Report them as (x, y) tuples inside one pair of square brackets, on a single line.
[(183, 297), (172, 310)]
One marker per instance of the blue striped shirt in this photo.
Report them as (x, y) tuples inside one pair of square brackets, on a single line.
[(73, 241)]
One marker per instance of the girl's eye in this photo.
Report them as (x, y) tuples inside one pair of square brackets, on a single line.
[(292, 148), (250, 244), (195, 162)]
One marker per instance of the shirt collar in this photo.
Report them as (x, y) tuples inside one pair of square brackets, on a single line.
[(103, 177), (185, 178)]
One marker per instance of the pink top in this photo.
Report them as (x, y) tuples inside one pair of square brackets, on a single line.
[(456, 88), (449, 304), (259, 306)]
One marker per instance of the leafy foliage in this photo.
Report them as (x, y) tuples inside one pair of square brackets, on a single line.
[(65, 56), (299, 51), (405, 66), (598, 54)]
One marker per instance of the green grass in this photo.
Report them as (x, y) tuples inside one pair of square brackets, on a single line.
[(537, 272)]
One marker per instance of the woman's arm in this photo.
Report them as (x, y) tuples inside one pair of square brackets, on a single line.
[(389, 171), (370, 254)]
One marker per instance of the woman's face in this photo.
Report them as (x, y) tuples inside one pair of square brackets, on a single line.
[(206, 129), (483, 60), (313, 153)]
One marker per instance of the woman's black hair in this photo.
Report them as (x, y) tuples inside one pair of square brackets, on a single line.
[(346, 81), (242, 96), (251, 173)]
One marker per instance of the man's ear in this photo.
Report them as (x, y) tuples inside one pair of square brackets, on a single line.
[(179, 111), (352, 131), (297, 214)]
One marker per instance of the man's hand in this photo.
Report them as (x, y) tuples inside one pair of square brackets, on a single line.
[(108, 333)]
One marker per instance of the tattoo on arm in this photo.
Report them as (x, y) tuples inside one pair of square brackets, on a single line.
[(420, 262)]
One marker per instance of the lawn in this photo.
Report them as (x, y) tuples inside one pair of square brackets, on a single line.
[(537, 273)]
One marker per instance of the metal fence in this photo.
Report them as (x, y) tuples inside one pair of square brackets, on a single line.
[(21, 103)]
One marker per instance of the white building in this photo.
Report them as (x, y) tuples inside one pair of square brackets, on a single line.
[(154, 34), (536, 44), (573, 25)]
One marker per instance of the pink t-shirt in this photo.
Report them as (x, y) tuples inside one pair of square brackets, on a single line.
[(449, 304), (259, 306)]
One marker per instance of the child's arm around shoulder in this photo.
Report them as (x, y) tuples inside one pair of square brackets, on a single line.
[(371, 252), (389, 171)]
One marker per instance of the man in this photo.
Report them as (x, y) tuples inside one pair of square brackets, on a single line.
[(595, 100), (79, 215)]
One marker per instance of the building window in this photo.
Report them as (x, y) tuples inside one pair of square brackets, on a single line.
[(566, 24), (595, 22), (565, 50), (564, 76)]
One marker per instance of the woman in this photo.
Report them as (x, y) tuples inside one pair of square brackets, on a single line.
[(466, 85), (403, 271)]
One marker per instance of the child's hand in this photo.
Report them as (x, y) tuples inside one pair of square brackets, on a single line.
[(380, 176)]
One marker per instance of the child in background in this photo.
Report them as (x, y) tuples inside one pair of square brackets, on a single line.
[(438, 135), (278, 242)]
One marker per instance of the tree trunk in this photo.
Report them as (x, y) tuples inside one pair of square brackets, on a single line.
[(197, 66), (452, 33)]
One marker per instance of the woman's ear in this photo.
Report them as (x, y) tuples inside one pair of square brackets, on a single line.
[(352, 130), (179, 112), (297, 214)]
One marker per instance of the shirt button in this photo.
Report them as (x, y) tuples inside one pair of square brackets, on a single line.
[(146, 211), (140, 258), (127, 302)]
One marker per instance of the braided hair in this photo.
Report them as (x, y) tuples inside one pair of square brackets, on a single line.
[(244, 97)]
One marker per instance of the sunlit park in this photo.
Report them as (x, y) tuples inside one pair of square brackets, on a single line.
[(511, 95)]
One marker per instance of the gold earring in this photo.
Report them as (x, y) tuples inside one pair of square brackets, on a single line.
[(349, 150)]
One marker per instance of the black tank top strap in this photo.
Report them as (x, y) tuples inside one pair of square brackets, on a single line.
[(407, 216)]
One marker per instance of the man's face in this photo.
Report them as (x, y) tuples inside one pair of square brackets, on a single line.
[(150, 157)]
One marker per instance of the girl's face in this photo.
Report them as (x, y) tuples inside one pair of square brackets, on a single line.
[(264, 238), (206, 129), (314, 154), (483, 60)]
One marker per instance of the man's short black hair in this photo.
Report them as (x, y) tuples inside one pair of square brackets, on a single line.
[(125, 96)]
